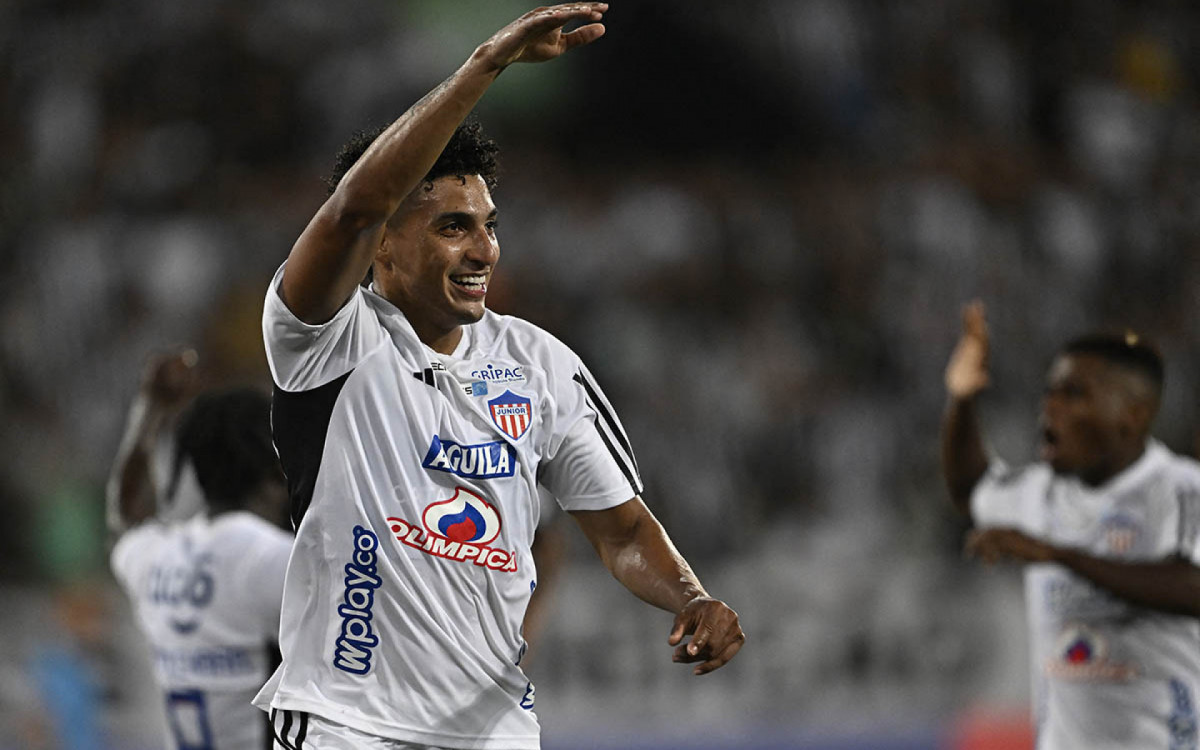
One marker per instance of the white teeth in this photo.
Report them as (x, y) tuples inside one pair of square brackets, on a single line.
[(471, 282)]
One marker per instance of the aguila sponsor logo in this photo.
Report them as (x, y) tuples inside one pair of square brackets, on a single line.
[(458, 529), (480, 461)]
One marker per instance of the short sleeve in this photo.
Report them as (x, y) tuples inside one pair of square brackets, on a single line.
[(303, 356), (133, 551), (1008, 497), (1188, 498), (590, 463)]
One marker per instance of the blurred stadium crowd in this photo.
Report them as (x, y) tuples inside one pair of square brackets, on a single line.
[(756, 221)]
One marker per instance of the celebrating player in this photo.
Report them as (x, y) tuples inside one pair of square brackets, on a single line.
[(415, 427), (1109, 521), (206, 590)]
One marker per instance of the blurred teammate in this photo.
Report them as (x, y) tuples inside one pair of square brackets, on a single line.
[(206, 590), (415, 427), (1109, 521)]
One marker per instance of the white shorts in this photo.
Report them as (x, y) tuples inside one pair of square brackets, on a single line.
[(297, 730)]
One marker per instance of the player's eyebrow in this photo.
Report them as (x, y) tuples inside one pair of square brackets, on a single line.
[(463, 217)]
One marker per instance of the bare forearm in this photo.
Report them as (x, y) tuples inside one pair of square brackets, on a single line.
[(964, 460), (636, 549), (338, 246), (130, 493), (651, 567), (1170, 586), (400, 157)]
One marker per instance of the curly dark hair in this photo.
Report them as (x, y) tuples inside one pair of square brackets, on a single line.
[(469, 152), (227, 437)]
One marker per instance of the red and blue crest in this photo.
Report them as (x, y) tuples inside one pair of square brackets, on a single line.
[(512, 414)]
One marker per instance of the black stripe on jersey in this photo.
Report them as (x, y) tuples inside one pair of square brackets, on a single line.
[(633, 482), (299, 424), (283, 731), (300, 735), (623, 457), (274, 734), (274, 659), (605, 410)]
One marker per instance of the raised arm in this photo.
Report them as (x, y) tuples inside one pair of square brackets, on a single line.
[(964, 460), (167, 382), (338, 246), (638, 552)]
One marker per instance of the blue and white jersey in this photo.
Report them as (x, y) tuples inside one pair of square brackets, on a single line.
[(415, 485), (206, 593), (1108, 674)]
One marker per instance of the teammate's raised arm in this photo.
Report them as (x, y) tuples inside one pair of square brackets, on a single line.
[(638, 552), (337, 248), (964, 460), (168, 381)]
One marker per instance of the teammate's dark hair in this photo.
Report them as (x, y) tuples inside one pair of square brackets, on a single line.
[(1127, 350), (468, 152), (227, 437)]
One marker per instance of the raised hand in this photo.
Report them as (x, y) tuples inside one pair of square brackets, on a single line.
[(967, 371), (170, 379), (716, 634), (537, 36)]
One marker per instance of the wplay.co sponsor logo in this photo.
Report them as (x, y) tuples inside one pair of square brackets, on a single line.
[(460, 529)]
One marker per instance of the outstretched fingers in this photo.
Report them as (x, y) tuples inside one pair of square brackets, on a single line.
[(583, 35)]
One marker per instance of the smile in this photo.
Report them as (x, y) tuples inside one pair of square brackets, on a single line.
[(476, 283)]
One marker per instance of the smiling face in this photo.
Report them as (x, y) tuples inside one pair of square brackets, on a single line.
[(1093, 421), (437, 257)]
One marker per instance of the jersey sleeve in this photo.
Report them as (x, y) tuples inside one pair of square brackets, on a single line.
[(303, 356), (133, 551), (1008, 497), (1187, 495), (589, 463)]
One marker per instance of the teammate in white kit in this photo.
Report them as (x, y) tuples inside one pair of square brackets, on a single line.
[(1109, 522), (417, 429), (206, 590)]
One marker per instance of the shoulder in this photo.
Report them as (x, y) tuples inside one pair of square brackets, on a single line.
[(520, 338), (1180, 471), (244, 527), (138, 544)]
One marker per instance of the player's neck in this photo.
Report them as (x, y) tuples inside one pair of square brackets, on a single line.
[(1122, 459), (438, 339)]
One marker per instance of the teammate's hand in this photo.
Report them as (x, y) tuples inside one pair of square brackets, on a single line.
[(716, 634), (967, 371), (537, 36), (996, 545), (170, 379)]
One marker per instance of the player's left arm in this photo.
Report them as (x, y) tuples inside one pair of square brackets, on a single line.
[(1171, 585), (167, 382), (636, 549)]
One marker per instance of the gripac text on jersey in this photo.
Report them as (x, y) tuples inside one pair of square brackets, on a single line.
[(357, 638)]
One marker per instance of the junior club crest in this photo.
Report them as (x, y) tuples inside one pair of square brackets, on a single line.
[(511, 413)]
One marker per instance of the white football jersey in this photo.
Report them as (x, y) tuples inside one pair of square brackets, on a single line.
[(415, 483), (1107, 674), (206, 593)]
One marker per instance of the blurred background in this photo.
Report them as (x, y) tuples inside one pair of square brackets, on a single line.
[(756, 221)]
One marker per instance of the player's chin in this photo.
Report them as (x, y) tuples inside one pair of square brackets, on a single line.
[(470, 312)]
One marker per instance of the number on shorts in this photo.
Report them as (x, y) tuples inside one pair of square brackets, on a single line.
[(187, 715)]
